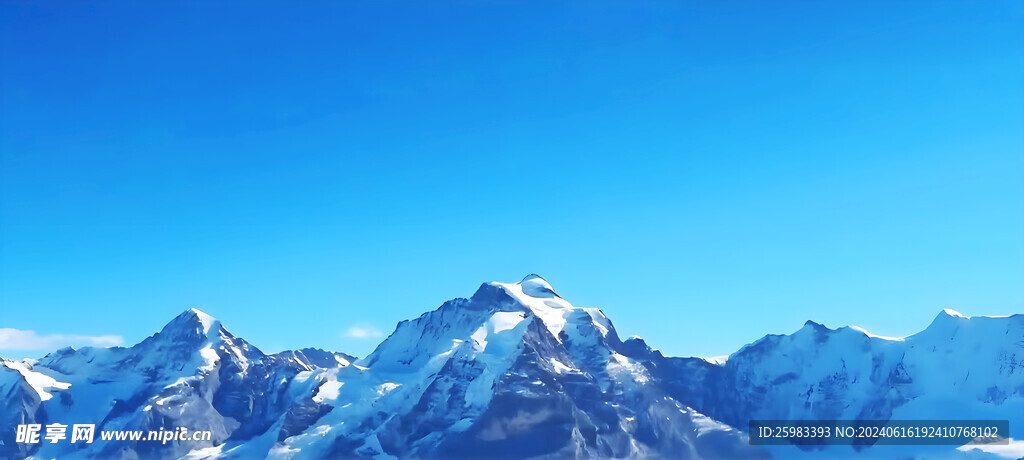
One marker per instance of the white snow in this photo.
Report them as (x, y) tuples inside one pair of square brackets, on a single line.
[(953, 313), (862, 330), (498, 323), (559, 367), (328, 391), (1015, 449), (206, 320), (387, 387), (535, 286), (41, 383), (627, 371), (705, 424), (537, 295), (165, 400), (601, 322), (497, 343), (209, 355), (505, 320), (719, 360)]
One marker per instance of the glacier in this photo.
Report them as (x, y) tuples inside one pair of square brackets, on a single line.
[(515, 371)]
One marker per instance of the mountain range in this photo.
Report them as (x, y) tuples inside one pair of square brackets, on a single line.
[(515, 371)]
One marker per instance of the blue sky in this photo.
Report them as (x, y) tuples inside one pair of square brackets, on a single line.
[(704, 172)]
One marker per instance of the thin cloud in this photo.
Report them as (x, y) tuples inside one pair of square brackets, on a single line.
[(363, 332), (17, 339)]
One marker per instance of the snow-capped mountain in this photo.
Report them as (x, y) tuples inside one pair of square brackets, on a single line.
[(193, 373), (515, 371), (958, 368)]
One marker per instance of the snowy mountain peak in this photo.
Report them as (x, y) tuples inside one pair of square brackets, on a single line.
[(535, 286), (533, 291), (514, 370), (195, 324), (207, 321), (945, 320), (952, 312), (537, 295)]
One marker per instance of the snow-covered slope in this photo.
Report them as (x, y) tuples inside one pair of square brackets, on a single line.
[(957, 368), (193, 373), (23, 390), (313, 358), (515, 371)]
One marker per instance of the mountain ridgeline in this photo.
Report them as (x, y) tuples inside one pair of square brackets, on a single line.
[(515, 371)]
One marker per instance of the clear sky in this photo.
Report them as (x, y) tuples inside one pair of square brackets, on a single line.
[(311, 173)]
